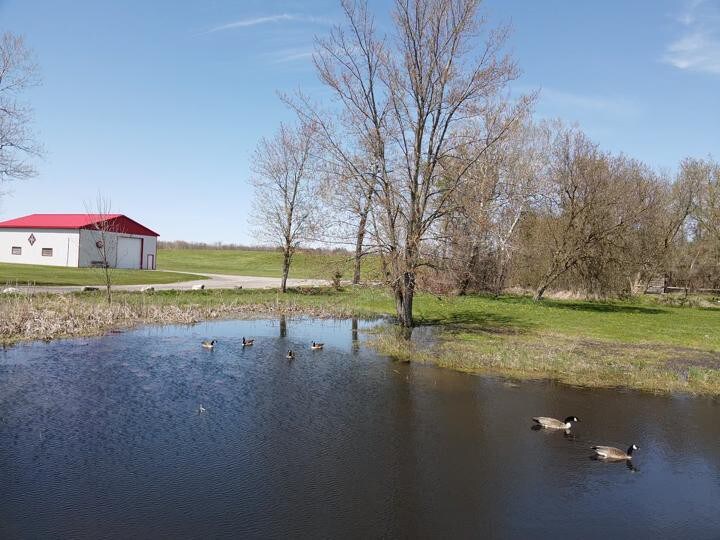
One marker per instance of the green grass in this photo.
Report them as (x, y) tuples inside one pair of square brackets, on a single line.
[(637, 322), (23, 274), (261, 263), (640, 344)]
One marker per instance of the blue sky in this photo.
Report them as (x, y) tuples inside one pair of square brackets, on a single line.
[(158, 105)]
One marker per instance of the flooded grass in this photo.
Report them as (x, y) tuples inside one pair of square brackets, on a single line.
[(50, 316), (645, 344), (589, 363)]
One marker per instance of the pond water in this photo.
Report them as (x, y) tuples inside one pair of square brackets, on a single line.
[(101, 438)]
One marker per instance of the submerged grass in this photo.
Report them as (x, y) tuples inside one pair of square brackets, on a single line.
[(643, 344), (51, 316)]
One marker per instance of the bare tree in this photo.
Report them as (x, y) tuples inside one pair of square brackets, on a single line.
[(407, 104), (653, 243), (18, 72), (588, 204), (286, 199), (705, 173), (104, 248), (697, 260), (348, 199), (480, 231)]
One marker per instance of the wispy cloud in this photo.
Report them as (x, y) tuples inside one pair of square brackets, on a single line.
[(698, 48), (270, 19), (588, 103), (291, 55)]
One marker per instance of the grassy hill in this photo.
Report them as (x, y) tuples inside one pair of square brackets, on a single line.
[(261, 263), (22, 274)]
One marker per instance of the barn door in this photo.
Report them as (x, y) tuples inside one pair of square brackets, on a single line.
[(150, 262), (129, 252)]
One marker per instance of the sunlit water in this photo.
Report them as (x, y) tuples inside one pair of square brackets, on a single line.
[(101, 438)]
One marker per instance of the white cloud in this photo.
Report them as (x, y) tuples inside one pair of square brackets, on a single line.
[(698, 48), (245, 23), (695, 51)]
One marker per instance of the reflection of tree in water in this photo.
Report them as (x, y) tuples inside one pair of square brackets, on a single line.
[(354, 330), (283, 326)]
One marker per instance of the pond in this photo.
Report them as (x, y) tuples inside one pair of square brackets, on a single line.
[(102, 438)]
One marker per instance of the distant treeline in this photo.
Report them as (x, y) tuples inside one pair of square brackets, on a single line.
[(182, 244)]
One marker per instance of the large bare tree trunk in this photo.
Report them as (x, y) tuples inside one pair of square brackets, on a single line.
[(359, 242), (404, 294), (108, 286), (285, 269), (539, 292), (469, 270)]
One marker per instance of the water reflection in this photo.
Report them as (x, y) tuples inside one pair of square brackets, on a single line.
[(354, 332), (103, 438)]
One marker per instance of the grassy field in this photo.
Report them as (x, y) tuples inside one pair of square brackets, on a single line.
[(261, 263), (643, 344), (23, 274)]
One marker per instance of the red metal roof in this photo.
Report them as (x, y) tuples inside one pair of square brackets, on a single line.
[(114, 222)]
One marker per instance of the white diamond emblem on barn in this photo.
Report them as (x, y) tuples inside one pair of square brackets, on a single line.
[(31, 239)]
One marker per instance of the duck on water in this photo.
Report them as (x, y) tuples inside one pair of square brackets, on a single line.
[(553, 423)]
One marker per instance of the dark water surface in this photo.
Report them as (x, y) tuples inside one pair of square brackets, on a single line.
[(101, 438)]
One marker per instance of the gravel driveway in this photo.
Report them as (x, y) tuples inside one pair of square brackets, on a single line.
[(213, 281)]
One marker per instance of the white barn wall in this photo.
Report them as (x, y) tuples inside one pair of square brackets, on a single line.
[(89, 252), (150, 248), (63, 242)]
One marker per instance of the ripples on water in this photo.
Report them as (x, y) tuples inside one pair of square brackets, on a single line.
[(101, 438)]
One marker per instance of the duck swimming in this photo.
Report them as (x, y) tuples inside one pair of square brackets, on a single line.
[(614, 454), (553, 423)]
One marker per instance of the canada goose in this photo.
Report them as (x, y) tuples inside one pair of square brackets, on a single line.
[(290, 355), (248, 342), (612, 453), (552, 423), (316, 346), (208, 344), (201, 409)]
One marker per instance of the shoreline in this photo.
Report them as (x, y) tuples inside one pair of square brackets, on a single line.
[(580, 360), (578, 363), (55, 316)]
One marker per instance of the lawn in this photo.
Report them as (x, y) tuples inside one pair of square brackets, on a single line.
[(262, 263), (23, 274)]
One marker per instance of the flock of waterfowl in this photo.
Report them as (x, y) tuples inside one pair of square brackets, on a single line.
[(315, 346), (210, 344), (609, 453)]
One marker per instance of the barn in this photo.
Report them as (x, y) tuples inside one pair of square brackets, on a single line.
[(78, 240)]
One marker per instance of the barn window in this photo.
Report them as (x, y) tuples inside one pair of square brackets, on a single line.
[(47, 252), (16, 250)]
